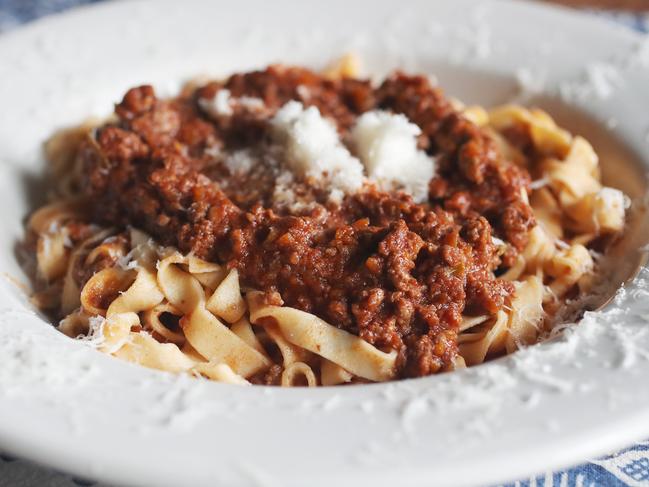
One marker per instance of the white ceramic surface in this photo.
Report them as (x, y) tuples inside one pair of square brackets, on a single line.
[(67, 406)]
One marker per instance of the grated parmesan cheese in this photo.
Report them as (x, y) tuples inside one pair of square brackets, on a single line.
[(240, 161), (283, 195), (303, 92), (614, 198), (309, 147), (530, 81), (251, 103), (387, 145), (95, 336), (222, 103), (604, 79), (497, 241), (67, 241), (599, 80), (609, 207), (219, 106), (313, 149), (539, 183)]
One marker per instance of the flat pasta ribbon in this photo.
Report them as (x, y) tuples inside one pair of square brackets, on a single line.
[(207, 335), (311, 333)]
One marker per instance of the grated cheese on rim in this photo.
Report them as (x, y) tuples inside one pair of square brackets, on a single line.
[(530, 81), (598, 79), (313, 149), (387, 145)]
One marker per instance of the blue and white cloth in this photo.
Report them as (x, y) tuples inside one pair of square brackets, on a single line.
[(628, 467)]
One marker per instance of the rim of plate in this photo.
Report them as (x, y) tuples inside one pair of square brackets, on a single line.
[(64, 405)]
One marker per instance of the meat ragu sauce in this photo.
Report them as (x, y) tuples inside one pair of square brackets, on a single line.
[(398, 274)]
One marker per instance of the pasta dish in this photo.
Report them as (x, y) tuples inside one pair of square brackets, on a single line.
[(286, 227)]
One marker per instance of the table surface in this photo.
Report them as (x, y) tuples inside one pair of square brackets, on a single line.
[(628, 467)]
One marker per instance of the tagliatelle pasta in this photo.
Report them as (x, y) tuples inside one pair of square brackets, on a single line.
[(313, 334), (401, 287), (202, 329)]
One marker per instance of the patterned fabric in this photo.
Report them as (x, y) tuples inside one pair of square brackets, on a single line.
[(16, 12), (628, 467)]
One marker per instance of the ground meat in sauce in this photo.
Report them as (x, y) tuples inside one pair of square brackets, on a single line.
[(396, 273)]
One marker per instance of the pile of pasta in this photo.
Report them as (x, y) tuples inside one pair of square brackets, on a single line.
[(122, 308), (158, 308), (571, 207)]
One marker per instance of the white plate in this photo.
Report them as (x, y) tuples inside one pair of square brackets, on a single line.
[(72, 408)]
